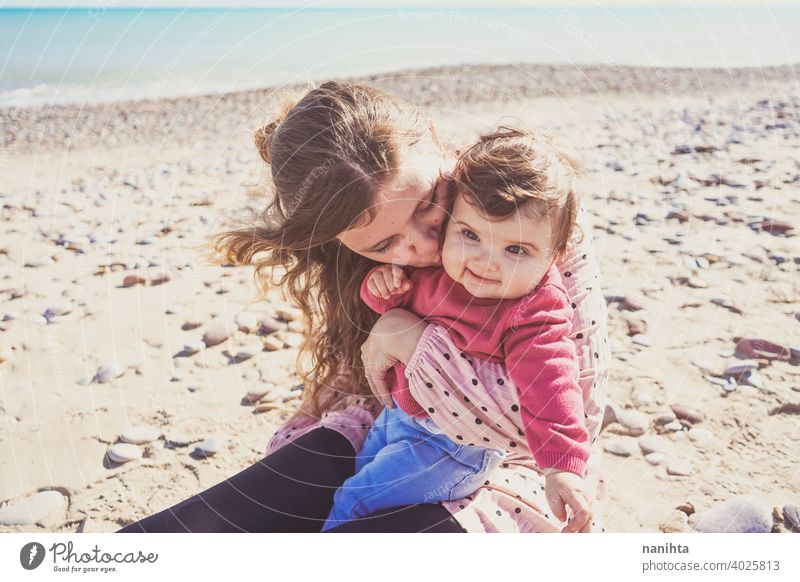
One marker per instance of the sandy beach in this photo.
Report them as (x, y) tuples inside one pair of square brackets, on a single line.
[(693, 184)]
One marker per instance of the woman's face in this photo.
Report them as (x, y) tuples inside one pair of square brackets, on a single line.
[(411, 211)]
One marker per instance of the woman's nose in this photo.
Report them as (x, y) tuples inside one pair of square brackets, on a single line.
[(424, 240)]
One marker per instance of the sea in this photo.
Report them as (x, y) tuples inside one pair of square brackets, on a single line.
[(103, 52)]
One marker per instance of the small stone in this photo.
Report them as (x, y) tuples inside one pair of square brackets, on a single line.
[(131, 280), (742, 514), (679, 467), (256, 394), (217, 333), (269, 325), (179, 439), (652, 444), (108, 372), (641, 340), (161, 279), (621, 447), (752, 378), (686, 413), (655, 458), (287, 314), (272, 344), (140, 435), (209, 446), (740, 367), (674, 426), (250, 350), (636, 326), (57, 310), (192, 347), (699, 435), (32, 509), (791, 518), (293, 340), (637, 423), (191, 324), (247, 321), (124, 452), (665, 418)]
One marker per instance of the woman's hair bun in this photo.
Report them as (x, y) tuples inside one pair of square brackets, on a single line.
[(263, 139)]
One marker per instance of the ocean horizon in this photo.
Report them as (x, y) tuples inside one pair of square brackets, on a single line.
[(101, 54)]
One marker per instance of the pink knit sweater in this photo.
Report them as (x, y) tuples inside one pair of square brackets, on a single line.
[(529, 335)]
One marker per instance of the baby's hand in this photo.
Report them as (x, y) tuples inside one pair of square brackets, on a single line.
[(388, 280), (564, 489)]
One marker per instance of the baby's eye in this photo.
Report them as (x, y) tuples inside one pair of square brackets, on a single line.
[(469, 234), (516, 250)]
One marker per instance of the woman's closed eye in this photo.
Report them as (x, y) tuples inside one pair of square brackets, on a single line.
[(432, 202)]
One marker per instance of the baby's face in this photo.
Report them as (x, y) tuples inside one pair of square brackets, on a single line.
[(504, 259)]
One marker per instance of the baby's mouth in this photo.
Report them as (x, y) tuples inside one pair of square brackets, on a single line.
[(478, 277)]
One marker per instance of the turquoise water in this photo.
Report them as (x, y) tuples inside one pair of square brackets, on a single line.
[(98, 54)]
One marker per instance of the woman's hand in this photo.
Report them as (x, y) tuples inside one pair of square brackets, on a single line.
[(393, 338)]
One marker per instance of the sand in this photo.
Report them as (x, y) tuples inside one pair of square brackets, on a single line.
[(684, 170)]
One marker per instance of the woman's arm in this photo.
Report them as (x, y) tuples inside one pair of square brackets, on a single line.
[(393, 338)]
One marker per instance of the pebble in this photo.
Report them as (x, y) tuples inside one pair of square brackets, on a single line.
[(32, 509), (256, 394), (131, 280), (108, 372), (665, 418), (653, 444), (636, 422), (272, 344), (679, 467), (192, 347), (641, 340), (247, 321), (655, 458), (216, 333), (209, 446), (179, 439), (699, 435), (250, 350), (742, 514), (752, 378), (753, 348), (791, 518), (287, 314), (740, 367), (139, 435), (293, 340), (269, 325), (191, 324), (674, 426), (686, 413), (124, 452), (57, 310), (621, 447)]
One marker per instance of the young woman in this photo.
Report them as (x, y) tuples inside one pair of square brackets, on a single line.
[(360, 178)]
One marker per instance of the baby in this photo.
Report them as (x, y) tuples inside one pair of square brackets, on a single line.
[(502, 299)]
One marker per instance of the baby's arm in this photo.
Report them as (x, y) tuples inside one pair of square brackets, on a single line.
[(542, 363)]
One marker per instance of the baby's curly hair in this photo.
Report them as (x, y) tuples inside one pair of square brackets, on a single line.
[(512, 169)]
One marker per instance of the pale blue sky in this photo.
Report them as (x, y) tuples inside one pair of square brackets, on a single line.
[(432, 5)]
